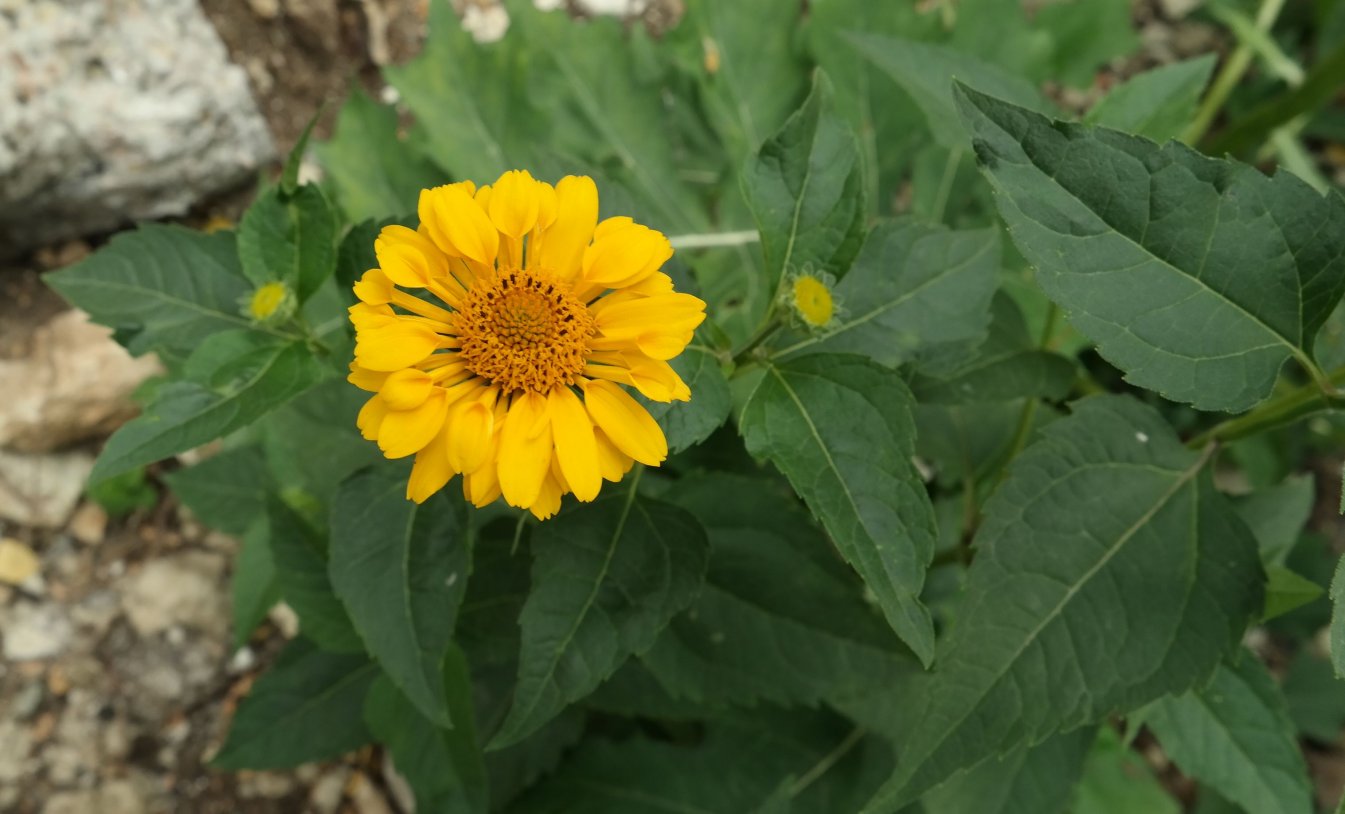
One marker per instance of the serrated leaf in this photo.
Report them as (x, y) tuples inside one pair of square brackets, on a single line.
[(373, 172), (1008, 365), (840, 428), (1039, 780), (254, 585), (751, 75), (301, 572), (226, 491), (927, 72), (1287, 591), (806, 192), (742, 763), (606, 578), (289, 238), (687, 423), (1157, 104), (305, 708), (162, 288), (913, 288), (1277, 514), (779, 619), (250, 374), (1108, 572), (443, 766), (401, 570), (1236, 736), (1197, 277)]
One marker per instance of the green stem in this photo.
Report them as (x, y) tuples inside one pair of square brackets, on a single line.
[(824, 765), (1230, 75), (1296, 404), (712, 240), (763, 335)]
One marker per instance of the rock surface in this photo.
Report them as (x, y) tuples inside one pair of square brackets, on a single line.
[(115, 110), (69, 383), (41, 490)]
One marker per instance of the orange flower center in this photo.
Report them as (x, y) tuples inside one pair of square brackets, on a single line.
[(524, 331)]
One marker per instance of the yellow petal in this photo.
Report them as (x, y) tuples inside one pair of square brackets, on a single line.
[(431, 471), (408, 258), (458, 224), (525, 450), (371, 418), (406, 389), (656, 380), (548, 499), (395, 346), (514, 203), (546, 205), (663, 345), (625, 256), (626, 423), (374, 288), (370, 380), (613, 462), (482, 487), (576, 216), (471, 424), (405, 432), (654, 284), (576, 451)]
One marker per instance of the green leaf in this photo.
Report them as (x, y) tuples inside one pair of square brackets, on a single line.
[(913, 288), (1318, 89), (1116, 780), (401, 570), (758, 75), (1039, 780), (927, 72), (252, 374), (1236, 736), (312, 443), (373, 172), (1008, 365), (443, 766), (255, 586), (469, 100), (1197, 277), (162, 288), (305, 708), (779, 618), (606, 578), (289, 238), (301, 572), (1286, 590), (1315, 698), (840, 428), (1157, 104), (741, 764), (1108, 572), (289, 176), (226, 491), (1277, 514), (805, 190), (1086, 35), (686, 424), (635, 692)]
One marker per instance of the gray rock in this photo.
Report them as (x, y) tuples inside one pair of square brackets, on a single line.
[(14, 746), (42, 490), (183, 589), (34, 632), (115, 110)]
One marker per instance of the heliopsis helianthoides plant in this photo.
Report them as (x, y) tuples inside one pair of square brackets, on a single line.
[(500, 337), (940, 512)]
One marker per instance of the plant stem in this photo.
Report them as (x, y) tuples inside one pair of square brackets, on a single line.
[(830, 759), (767, 330), (1230, 75), (1298, 403), (715, 239)]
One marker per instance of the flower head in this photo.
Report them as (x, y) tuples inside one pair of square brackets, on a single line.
[(811, 299), (510, 362), (271, 302)]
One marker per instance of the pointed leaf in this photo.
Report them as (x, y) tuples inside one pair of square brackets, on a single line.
[(1117, 780), (401, 570), (226, 491), (687, 423), (1039, 780), (1235, 735), (255, 586), (301, 573), (840, 428), (1197, 277), (1157, 104), (163, 288), (1108, 572), (289, 238), (805, 190), (606, 578), (305, 708)]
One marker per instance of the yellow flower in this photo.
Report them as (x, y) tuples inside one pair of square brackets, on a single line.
[(270, 303), (510, 362), (811, 298)]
